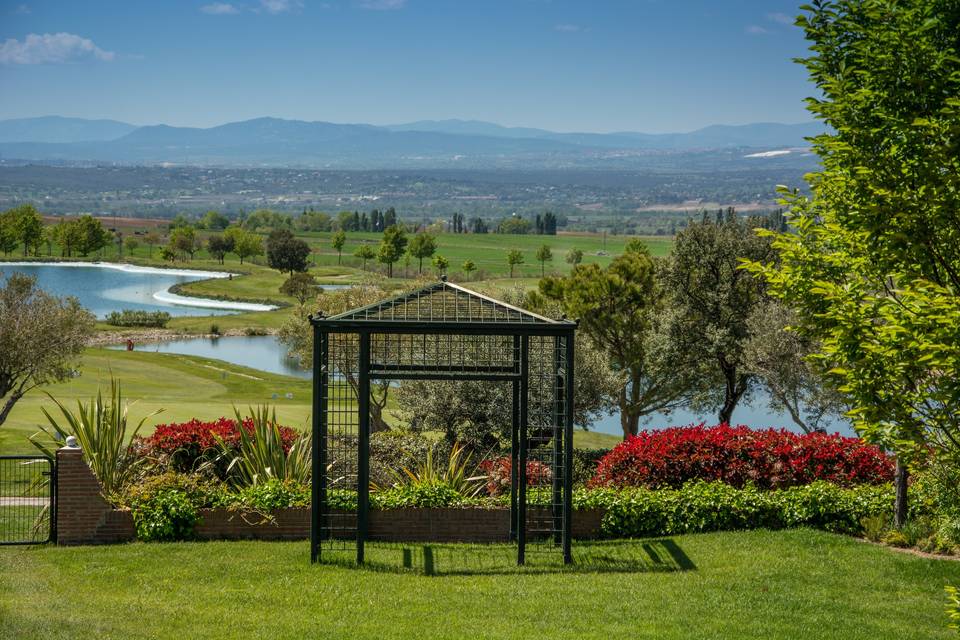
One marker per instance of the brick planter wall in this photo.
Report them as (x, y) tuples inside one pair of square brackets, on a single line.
[(84, 517)]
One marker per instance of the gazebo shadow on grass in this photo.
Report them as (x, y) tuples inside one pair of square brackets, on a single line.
[(660, 555)]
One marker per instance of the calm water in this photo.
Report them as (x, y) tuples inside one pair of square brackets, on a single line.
[(267, 354), (257, 352), (103, 289)]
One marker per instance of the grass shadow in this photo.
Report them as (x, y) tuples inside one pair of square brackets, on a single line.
[(661, 555)]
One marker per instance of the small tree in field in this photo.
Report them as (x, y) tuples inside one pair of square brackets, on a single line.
[(151, 239), (246, 244), (440, 264), (285, 253), (468, 267), (41, 337), (366, 253), (392, 246), (544, 255), (338, 240), (574, 257), (299, 286), (513, 259), (422, 246)]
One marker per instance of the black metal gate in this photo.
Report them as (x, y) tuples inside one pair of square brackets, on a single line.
[(27, 500)]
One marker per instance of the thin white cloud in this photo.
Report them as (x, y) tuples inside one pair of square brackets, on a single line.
[(280, 6), (219, 9), (51, 48), (567, 28), (22, 10), (381, 5), (756, 30), (780, 18)]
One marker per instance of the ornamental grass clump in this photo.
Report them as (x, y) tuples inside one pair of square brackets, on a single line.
[(260, 453)]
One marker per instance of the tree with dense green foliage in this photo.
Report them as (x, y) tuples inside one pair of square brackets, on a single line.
[(873, 264), (67, 235), (713, 298), (339, 239), (8, 233), (544, 255), (27, 226), (131, 243), (91, 236), (41, 337), (300, 286), (214, 221), (366, 253), (264, 219), (219, 245), (151, 239), (514, 258), (182, 242), (622, 308), (286, 253), (392, 246), (245, 243), (423, 245), (441, 264), (468, 267), (574, 257), (313, 221), (514, 224)]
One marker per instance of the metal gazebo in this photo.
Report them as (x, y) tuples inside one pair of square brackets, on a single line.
[(443, 331)]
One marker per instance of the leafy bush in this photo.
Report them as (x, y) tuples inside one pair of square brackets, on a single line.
[(272, 494), (738, 456), (261, 452), (202, 492), (130, 318), (953, 607), (499, 474), (391, 451), (585, 463), (187, 446), (432, 495), (166, 515)]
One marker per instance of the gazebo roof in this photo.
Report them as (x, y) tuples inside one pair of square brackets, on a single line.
[(442, 304)]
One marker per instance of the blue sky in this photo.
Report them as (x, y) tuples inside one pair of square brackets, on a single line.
[(566, 65)]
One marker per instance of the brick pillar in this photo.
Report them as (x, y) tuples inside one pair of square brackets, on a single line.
[(81, 509)]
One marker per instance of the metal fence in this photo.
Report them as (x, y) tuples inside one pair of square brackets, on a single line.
[(26, 500)]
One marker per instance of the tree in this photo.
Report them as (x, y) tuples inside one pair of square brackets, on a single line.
[(131, 244), (544, 255), (219, 245), (90, 235), (182, 242), (574, 257), (49, 238), (214, 221), (514, 257), (714, 298), (365, 252), (67, 234), (8, 233), (28, 226), (339, 239), (245, 243), (623, 310), (872, 266), (441, 264), (468, 267), (422, 246), (779, 358), (151, 239), (300, 286), (392, 246), (514, 224), (285, 253), (41, 336)]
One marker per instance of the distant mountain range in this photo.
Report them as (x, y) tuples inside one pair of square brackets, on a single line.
[(278, 142)]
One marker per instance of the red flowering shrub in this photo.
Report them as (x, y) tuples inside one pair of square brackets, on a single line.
[(184, 446), (498, 474), (768, 458)]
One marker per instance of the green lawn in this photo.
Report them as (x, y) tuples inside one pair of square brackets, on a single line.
[(758, 584)]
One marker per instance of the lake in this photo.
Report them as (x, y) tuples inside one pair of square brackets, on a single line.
[(106, 287), (266, 353)]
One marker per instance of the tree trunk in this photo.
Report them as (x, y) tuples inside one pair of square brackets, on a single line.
[(901, 475), (629, 412), (732, 392), (8, 405)]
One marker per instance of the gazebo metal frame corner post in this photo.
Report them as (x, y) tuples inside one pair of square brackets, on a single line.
[(444, 332)]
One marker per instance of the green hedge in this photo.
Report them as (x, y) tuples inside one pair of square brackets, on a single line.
[(129, 318)]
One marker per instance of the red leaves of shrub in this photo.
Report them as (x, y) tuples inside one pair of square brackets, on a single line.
[(498, 474), (768, 458)]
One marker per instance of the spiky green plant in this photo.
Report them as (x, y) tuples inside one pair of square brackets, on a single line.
[(456, 474), (259, 454), (102, 429)]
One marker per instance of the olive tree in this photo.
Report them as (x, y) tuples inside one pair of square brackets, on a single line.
[(41, 337)]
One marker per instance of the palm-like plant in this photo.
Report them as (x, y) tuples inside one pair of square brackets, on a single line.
[(455, 475), (102, 429), (259, 454)]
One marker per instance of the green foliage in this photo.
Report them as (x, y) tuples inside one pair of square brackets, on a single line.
[(135, 318), (202, 492), (337, 241), (544, 255), (25, 225), (300, 286), (286, 253), (214, 221), (183, 242), (392, 246), (101, 428), (432, 478), (953, 606), (468, 267), (245, 243), (260, 456), (164, 516), (41, 337), (433, 495), (422, 246), (440, 263), (514, 258), (219, 245), (272, 494), (366, 253), (574, 256), (89, 234)]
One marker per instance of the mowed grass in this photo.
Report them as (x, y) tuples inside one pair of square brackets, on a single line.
[(799, 584), (184, 387)]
